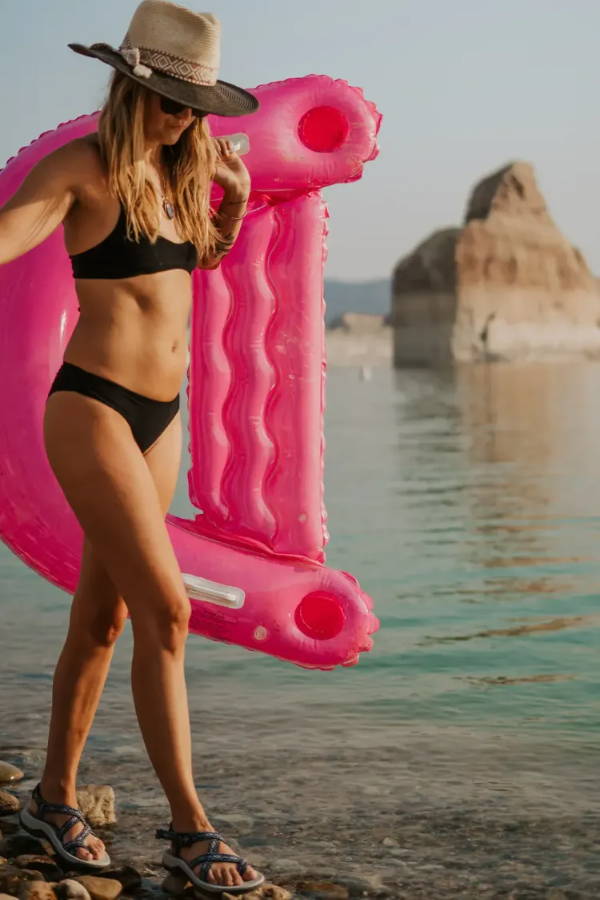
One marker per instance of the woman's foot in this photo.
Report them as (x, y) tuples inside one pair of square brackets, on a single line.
[(219, 872), (95, 846)]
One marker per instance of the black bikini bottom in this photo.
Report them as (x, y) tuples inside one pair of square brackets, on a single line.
[(147, 417)]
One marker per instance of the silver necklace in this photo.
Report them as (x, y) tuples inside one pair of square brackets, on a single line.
[(166, 204)]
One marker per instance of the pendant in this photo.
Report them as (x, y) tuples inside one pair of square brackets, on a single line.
[(168, 208)]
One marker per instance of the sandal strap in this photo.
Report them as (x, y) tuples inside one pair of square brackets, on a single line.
[(79, 841), (186, 838), (207, 859), (61, 830), (53, 807)]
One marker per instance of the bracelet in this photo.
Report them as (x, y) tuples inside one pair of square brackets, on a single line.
[(233, 218), (230, 202)]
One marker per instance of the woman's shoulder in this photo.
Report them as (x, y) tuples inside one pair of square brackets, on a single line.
[(83, 155), (85, 150), (86, 162)]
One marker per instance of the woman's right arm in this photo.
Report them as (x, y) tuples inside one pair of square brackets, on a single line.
[(41, 202)]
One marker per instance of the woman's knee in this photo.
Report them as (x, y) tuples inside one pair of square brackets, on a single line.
[(108, 634), (165, 624), (101, 628)]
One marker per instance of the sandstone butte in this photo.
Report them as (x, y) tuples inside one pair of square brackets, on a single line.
[(505, 286)]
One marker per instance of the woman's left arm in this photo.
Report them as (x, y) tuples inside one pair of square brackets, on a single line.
[(234, 178)]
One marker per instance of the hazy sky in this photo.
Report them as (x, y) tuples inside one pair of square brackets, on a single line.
[(464, 86)]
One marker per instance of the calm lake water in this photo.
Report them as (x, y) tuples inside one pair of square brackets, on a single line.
[(467, 503)]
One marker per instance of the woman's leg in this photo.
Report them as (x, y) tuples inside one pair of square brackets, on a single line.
[(98, 615), (116, 494)]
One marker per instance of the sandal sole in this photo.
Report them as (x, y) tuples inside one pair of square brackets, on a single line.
[(176, 866), (38, 828)]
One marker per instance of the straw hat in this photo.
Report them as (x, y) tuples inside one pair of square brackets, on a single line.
[(175, 52)]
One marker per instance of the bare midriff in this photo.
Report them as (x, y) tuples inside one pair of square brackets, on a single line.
[(134, 330)]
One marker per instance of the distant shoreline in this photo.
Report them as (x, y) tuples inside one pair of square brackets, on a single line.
[(360, 339)]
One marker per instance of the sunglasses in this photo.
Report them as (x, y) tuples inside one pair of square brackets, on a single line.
[(173, 108)]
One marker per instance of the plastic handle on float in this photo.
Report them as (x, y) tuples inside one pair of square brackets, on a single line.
[(213, 592)]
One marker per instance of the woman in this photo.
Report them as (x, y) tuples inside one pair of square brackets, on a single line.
[(112, 427)]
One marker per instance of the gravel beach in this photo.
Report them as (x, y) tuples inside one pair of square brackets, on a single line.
[(441, 814)]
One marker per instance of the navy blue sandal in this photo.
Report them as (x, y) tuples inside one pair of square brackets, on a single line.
[(35, 825), (175, 864)]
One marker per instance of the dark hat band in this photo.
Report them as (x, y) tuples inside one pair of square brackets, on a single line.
[(145, 58)]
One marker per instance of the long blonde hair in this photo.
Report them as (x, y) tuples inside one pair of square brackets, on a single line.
[(190, 165)]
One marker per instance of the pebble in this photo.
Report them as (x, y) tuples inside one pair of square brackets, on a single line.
[(9, 804), (100, 888), (97, 803), (69, 889), (12, 877), (389, 842), (9, 773), (265, 892), (36, 890), (129, 877), (42, 864)]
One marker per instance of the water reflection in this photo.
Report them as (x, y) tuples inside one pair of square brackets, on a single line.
[(466, 502), (520, 421), (497, 483)]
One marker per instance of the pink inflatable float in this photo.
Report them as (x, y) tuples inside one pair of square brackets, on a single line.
[(253, 557)]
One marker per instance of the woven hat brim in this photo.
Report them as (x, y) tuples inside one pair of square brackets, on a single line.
[(221, 99)]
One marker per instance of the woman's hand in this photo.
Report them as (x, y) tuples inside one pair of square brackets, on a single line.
[(231, 173)]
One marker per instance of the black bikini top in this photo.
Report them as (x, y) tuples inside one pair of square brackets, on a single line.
[(118, 257)]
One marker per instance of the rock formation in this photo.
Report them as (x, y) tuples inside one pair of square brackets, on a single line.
[(507, 285)]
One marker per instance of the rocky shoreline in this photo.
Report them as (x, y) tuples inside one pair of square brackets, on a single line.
[(420, 821), (30, 869)]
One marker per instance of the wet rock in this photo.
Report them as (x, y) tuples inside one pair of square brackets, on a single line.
[(36, 890), (43, 864), (97, 803), (266, 891), (129, 877), (100, 888), (9, 773), (12, 877), (69, 889), (9, 804)]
